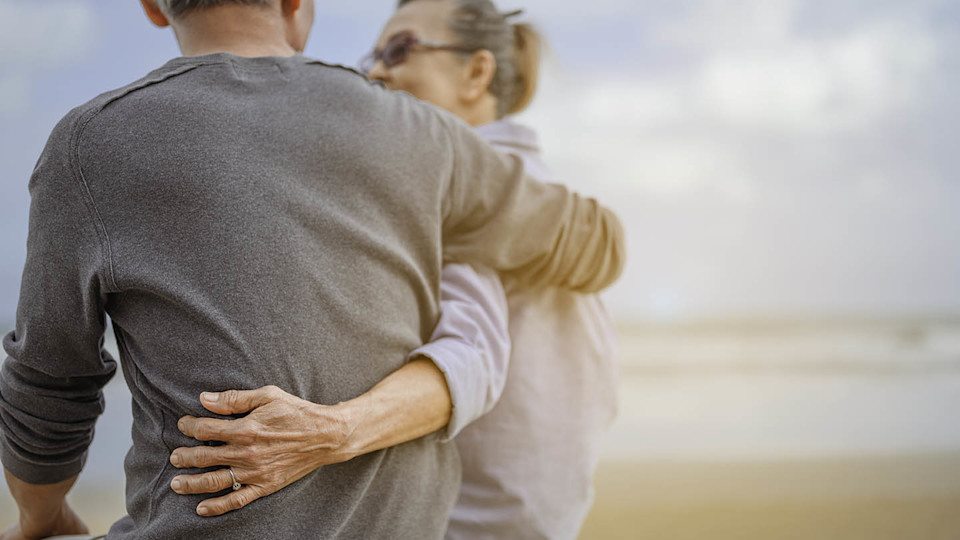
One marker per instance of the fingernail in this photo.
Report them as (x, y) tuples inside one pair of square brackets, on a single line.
[(175, 484), (203, 510), (175, 459), (212, 397)]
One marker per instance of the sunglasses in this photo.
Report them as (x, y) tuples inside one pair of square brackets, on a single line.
[(399, 47)]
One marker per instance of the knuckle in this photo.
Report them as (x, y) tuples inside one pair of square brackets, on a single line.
[(186, 458), (256, 458), (201, 431), (231, 397), (208, 483), (248, 430), (242, 454), (241, 438), (260, 434), (201, 456)]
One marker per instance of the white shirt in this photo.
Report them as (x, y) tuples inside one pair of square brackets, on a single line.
[(528, 463)]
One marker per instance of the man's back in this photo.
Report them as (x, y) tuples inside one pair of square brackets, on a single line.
[(263, 227), (263, 221), (254, 241)]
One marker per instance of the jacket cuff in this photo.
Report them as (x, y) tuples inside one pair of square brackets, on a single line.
[(466, 379)]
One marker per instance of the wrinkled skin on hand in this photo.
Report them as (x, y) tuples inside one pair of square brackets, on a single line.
[(281, 440)]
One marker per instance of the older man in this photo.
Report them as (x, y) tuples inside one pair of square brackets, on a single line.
[(252, 218)]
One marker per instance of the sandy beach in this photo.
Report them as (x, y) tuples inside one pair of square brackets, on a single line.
[(867, 498), (875, 498), (790, 432)]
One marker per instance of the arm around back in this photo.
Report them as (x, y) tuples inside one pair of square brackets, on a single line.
[(471, 342)]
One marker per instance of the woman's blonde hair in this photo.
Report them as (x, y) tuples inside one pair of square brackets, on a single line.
[(479, 25)]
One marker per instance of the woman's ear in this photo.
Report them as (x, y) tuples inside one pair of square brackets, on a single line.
[(154, 13), (478, 75)]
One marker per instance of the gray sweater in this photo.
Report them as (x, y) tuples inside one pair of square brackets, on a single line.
[(255, 221)]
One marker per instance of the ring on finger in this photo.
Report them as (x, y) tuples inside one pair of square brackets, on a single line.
[(236, 485)]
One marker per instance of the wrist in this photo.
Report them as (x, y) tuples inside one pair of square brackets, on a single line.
[(62, 522), (337, 431), (42, 521), (351, 415), (43, 507)]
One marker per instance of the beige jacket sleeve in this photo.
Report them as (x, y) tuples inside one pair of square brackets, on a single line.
[(542, 234)]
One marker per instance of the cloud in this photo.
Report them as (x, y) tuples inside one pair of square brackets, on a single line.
[(765, 160), (819, 85), (752, 73), (764, 154)]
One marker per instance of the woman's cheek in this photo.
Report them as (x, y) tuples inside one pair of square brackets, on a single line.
[(407, 80)]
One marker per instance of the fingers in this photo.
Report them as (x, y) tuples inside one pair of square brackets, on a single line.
[(200, 457), (228, 503), (239, 401), (211, 482), (209, 429)]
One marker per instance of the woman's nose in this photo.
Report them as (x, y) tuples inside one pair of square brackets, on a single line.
[(378, 72)]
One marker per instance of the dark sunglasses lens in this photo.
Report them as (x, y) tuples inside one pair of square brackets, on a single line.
[(396, 51)]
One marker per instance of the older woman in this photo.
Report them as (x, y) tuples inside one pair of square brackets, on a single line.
[(528, 464)]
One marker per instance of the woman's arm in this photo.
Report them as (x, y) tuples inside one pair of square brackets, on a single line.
[(455, 378), (471, 343)]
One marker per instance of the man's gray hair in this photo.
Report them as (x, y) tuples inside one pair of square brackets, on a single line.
[(176, 8)]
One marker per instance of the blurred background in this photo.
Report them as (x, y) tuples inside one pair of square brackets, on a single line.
[(787, 173)]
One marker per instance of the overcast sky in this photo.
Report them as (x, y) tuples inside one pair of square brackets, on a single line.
[(787, 157)]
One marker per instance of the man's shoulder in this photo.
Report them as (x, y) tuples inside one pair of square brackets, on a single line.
[(64, 137), (73, 123), (348, 72)]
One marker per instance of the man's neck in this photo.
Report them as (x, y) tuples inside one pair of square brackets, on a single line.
[(236, 29)]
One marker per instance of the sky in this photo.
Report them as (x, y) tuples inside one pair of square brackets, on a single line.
[(767, 157)]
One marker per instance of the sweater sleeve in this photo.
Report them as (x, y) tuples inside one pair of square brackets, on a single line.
[(542, 234), (50, 384), (471, 343)]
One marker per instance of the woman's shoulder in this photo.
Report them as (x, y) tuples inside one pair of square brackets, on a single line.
[(509, 133), (510, 137)]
